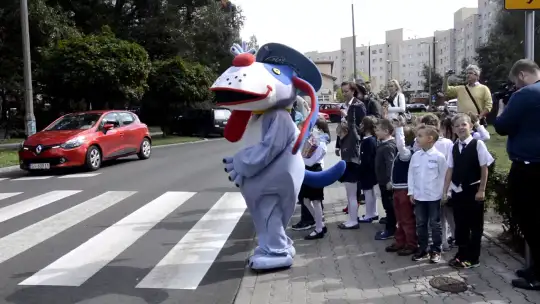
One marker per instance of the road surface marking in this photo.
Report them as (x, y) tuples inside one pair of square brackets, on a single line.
[(189, 260), (33, 203), (79, 175), (77, 266), (24, 239), (26, 178), (8, 195)]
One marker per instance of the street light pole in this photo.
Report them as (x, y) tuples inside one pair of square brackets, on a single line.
[(354, 43), (429, 75), (29, 118)]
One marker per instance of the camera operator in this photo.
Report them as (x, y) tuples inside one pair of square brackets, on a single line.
[(471, 97), (519, 121)]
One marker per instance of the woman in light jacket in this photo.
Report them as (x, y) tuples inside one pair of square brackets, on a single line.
[(396, 100)]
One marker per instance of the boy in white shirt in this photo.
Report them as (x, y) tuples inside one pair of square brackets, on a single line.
[(426, 180), (467, 178)]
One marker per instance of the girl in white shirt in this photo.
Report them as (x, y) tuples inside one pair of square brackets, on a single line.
[(313, 153), (396, 101)]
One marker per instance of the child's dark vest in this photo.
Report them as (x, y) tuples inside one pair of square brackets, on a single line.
[(400, 172), (466, 168)]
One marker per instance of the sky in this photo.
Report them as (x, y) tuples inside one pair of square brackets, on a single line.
[(318, 25)]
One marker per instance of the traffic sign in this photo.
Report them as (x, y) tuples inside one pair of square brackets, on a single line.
[(523, 5)]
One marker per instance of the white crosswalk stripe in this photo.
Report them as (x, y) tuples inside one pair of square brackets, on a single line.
[(183, 268), (44, 177)]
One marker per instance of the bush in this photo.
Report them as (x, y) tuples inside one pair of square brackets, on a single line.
[(497, 198)]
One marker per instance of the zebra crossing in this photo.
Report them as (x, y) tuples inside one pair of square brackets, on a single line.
[(44, 177), (183, 267)]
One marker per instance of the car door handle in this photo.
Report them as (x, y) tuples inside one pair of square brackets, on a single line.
[(121, 134)]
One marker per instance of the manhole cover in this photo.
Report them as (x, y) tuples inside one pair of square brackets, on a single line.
[(447, 284)]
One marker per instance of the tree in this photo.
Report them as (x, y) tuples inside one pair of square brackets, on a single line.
[(47, 25), (100, 69), (253, 44), (339, 95), (504, 47), (436, 79), (176, 83)]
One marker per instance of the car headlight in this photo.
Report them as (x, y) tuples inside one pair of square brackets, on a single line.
[(73, 143)]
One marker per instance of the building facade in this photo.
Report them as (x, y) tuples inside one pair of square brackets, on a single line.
[(404, 55)]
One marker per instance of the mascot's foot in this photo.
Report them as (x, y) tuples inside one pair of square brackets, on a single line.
[(259, 251), (270, 262)]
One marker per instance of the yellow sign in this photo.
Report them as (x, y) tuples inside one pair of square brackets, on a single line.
[(522, 4)]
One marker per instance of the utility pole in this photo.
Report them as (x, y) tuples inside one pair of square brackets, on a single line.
[(30, 119), (353, 43), (369, 60), (529, 53)]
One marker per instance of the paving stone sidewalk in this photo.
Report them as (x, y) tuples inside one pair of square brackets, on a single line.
[(350, 267)]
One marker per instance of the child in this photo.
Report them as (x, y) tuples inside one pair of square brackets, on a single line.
[(426, 180), (313, 153), (446, 130), (467, 177), (350, 153), (443, 145), (384, 157), (368, 179), (406, 241)]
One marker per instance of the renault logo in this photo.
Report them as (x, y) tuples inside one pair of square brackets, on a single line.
[(38, 149)]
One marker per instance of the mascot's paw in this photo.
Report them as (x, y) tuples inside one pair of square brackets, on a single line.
[(259, 251), (236, 178), (228, 160), (270, 262)]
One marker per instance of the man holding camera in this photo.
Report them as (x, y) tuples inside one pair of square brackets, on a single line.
[(518, 119), (471, 97)]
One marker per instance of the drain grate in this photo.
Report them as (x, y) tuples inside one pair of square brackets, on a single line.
[(448, 284)]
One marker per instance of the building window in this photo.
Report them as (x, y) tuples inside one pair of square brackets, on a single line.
[(374, 52), (324, 98), (362, 53), (380, 51)]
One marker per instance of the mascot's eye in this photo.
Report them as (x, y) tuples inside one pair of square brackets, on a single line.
[(276, 71)]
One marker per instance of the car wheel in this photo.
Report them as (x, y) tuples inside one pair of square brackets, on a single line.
[(93, 158), (145, 150)]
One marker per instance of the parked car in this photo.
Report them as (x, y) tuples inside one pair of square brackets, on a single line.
[(202, 122), (417, 107), (86, 139), (332, 110), (452, 105), (324, 116)]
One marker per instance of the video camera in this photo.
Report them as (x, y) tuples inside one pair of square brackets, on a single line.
[(504, 92)]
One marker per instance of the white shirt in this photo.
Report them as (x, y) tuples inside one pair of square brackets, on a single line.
[(484, 158), (317, 156), (399, 103), (481, 133), (427, 172)]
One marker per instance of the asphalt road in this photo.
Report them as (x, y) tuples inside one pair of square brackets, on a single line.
[(170, 229)]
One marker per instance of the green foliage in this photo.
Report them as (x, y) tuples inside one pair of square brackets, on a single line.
[(100, 69), (436, 79), (339, 95), (181, 82), (497, 197)]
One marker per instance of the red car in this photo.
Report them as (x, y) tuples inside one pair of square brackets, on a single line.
[(324, 116), (86, 139)]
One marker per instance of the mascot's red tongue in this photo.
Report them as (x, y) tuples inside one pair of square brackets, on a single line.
[(236, 125)]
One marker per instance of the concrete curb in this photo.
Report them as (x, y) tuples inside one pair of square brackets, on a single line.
[(507, 249), (16, 168)]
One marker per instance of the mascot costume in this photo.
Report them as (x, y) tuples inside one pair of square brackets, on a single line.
[(260, 89)]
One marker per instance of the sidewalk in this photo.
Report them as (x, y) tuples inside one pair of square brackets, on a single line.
[(350, 267)]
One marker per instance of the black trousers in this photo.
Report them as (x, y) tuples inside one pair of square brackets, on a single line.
[(523, 199), (387, 198), (359, 194), (469, 219), (305, 215)]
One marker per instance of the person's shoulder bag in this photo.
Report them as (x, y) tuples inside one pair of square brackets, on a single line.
[(483, 120)]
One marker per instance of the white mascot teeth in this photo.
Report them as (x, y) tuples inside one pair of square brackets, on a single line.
[(260, 89)]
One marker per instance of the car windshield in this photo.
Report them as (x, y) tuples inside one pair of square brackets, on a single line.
[(222, 114), (83, 121)]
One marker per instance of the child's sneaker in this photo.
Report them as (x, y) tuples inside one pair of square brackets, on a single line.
[(468, 265), (406, 251), (393, 248), (420, 256), (383, 235), (435, 257), (300, 226)]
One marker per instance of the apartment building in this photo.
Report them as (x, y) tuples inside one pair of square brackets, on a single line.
[(403, 55)]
